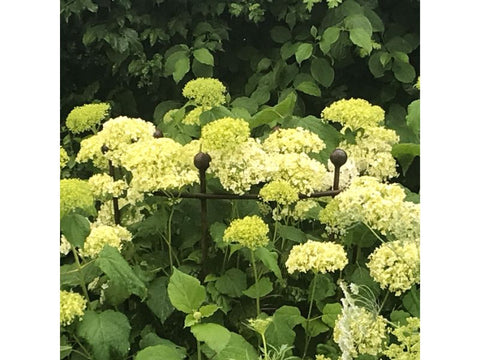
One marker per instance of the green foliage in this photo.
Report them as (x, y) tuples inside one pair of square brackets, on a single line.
[(76, 228), (159, 351), (106, 333), (281, 330), (185, 292)]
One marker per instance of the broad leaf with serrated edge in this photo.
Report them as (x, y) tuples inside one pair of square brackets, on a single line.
[(185, 292)]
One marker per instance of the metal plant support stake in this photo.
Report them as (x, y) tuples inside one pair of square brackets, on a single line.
[(202, 163)]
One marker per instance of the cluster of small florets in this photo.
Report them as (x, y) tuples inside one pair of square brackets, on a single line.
[(103, 186), (354, 114), (72, 305), (395, 265), (102, 235), (304, 208), (408, 337), (64, 158), (86, 117), (117, 134), (65, 246), (372, 152), (158, 164), (224, 134), (322, 357), (205, 92), (248, 164), (279, 191), (317, 257), (302, 172), (75, 193), (293, 141), (358, 331), (380, 206), (250, 232), (260, 325)]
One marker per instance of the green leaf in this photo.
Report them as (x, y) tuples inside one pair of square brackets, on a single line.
[(291, 233), (246, 103), (324, 287), (185, 292), (76, 228), (70, 274), (413, 117), (182, 66), (262, 288), (360, 235), (404, 72), (361, 38), (309, 88), (214, 335), (162, 108), (264, 64), (158, 300), (303, 52), (276, 113), (280, 331), (156, 352), (280, 34), (201, 70), (374, 19), (399, 317), (330, 313), (107, 333), (261, 95), (213, 114), (361, 276), (322, 72), (237, 348), (288, 49), (329, 37), (375, 64), (203, 56), (216, 232), (411, 301), (232, 283), (397, 43), (315, 327), (208, 310), (117, 269), (270, 260), (358, 21), (405, 153)]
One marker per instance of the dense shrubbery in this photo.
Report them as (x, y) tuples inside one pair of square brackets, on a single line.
[(280, 277)]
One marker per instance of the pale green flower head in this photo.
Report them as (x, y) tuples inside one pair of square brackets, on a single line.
[(207, 92), (293, 141), (408, 346), (72, 305), (64, 158), (75, 193), (86, 117), (354, 114), (250, 232), (224, 134), (260, 325), (102, 235), (280, 191)]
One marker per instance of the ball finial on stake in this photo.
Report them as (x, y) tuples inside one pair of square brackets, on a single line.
[(202, 161), (338, 157), (158, 134)]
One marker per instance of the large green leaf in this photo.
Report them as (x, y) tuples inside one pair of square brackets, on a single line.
[(360, 235), (276, 113), (411, 301), (303, 52), (76, 228), (156, 352), (324, 287), (232, 283), (291, 233), (413, 117), (322, 71), (280, 331), (361, 38), (182, 67), (185, 292), (70, 274), (405, 154), (260, 289), (117, 269), (309, 88), (329, 37), (203, 56), (358, 21), (214, 335), (247, 103), (403, 71), (107, 333), (270, 260), (158, 300), (330, 313), (280, 34)]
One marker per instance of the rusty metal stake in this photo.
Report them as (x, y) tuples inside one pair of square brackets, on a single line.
[(111, 171)]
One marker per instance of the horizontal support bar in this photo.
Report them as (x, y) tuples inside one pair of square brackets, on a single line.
[(185, 195)]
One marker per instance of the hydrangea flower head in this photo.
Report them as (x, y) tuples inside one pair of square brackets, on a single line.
[(250, 232), (408, 337), (207, 92), (86, 117), (358, 331), (75, 193), (279, 191), (103, 186), (224, 134), (64, 158), (316, 256), (321, 357), (102, 235), (72, 305), (354, 114), (395, 265), (293, 141)]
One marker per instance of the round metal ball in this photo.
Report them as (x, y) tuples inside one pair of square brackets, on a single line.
[(104, 149), (158, 134), (202, 161), (338, 157)]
